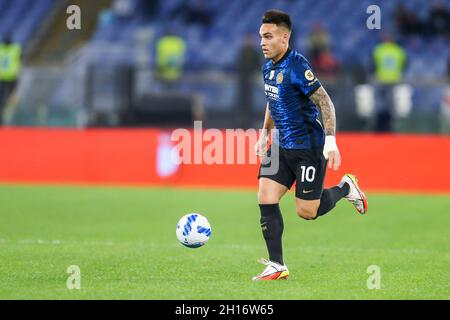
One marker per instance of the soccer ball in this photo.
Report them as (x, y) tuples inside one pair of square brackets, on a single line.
[(193, 230)]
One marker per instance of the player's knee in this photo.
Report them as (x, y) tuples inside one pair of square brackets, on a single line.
[(265, 197), (307, 213)]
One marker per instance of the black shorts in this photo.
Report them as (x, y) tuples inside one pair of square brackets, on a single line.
[(306, 167)]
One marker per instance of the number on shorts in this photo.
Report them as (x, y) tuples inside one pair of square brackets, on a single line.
[(308, 173)]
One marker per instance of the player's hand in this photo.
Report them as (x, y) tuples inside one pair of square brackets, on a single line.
[(261, 145), (331, 153)]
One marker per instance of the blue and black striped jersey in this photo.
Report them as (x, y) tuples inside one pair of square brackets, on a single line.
[(288, 84)]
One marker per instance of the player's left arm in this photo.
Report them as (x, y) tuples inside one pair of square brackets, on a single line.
[(323, 101)]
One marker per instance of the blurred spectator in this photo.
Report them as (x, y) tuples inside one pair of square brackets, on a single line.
[(408, 22), (249, 64), (10, 54), (326, 65), (389, 62), (448, 68), (318, 41), (147, 9), (194, 12), (123, 9), (170, 55), (439, 19)]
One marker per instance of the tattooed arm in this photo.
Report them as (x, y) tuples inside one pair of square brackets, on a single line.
[(330, 151), (326, 106)]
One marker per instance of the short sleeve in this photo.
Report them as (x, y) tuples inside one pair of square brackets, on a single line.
[(303, 78)]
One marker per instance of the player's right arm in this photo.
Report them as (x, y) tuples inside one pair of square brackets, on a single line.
[(261, 145), (331, 152)]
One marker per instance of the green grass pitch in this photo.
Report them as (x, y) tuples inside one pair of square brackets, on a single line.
[(123, 240)]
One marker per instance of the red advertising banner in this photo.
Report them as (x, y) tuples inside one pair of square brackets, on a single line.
[(388, 163)]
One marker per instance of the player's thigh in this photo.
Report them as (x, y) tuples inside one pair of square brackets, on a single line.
[(274, 184), (310, 169), (270, 191)]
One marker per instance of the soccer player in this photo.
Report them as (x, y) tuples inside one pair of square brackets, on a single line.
[(294, 97)]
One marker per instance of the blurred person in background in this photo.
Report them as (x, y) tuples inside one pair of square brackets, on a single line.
[(318, 41), (170, 56), (389, 62), (123, 9), (147, 9), (193, 12), (448, 69), (319, 50), (407, 21), (249, 64), (10, 63), (439, 19), (326, 65)]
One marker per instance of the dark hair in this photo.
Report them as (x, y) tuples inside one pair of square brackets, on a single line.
[(277, 17)]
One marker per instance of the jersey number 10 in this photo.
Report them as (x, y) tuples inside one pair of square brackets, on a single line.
[(308, 173)]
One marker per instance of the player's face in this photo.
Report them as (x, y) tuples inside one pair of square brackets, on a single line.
[(274, 40)]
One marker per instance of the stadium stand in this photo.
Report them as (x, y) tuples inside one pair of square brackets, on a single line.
[(29, 13), (343, 19), (129, 39)]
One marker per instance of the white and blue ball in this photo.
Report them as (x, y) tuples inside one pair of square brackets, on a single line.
[(193, 230)]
